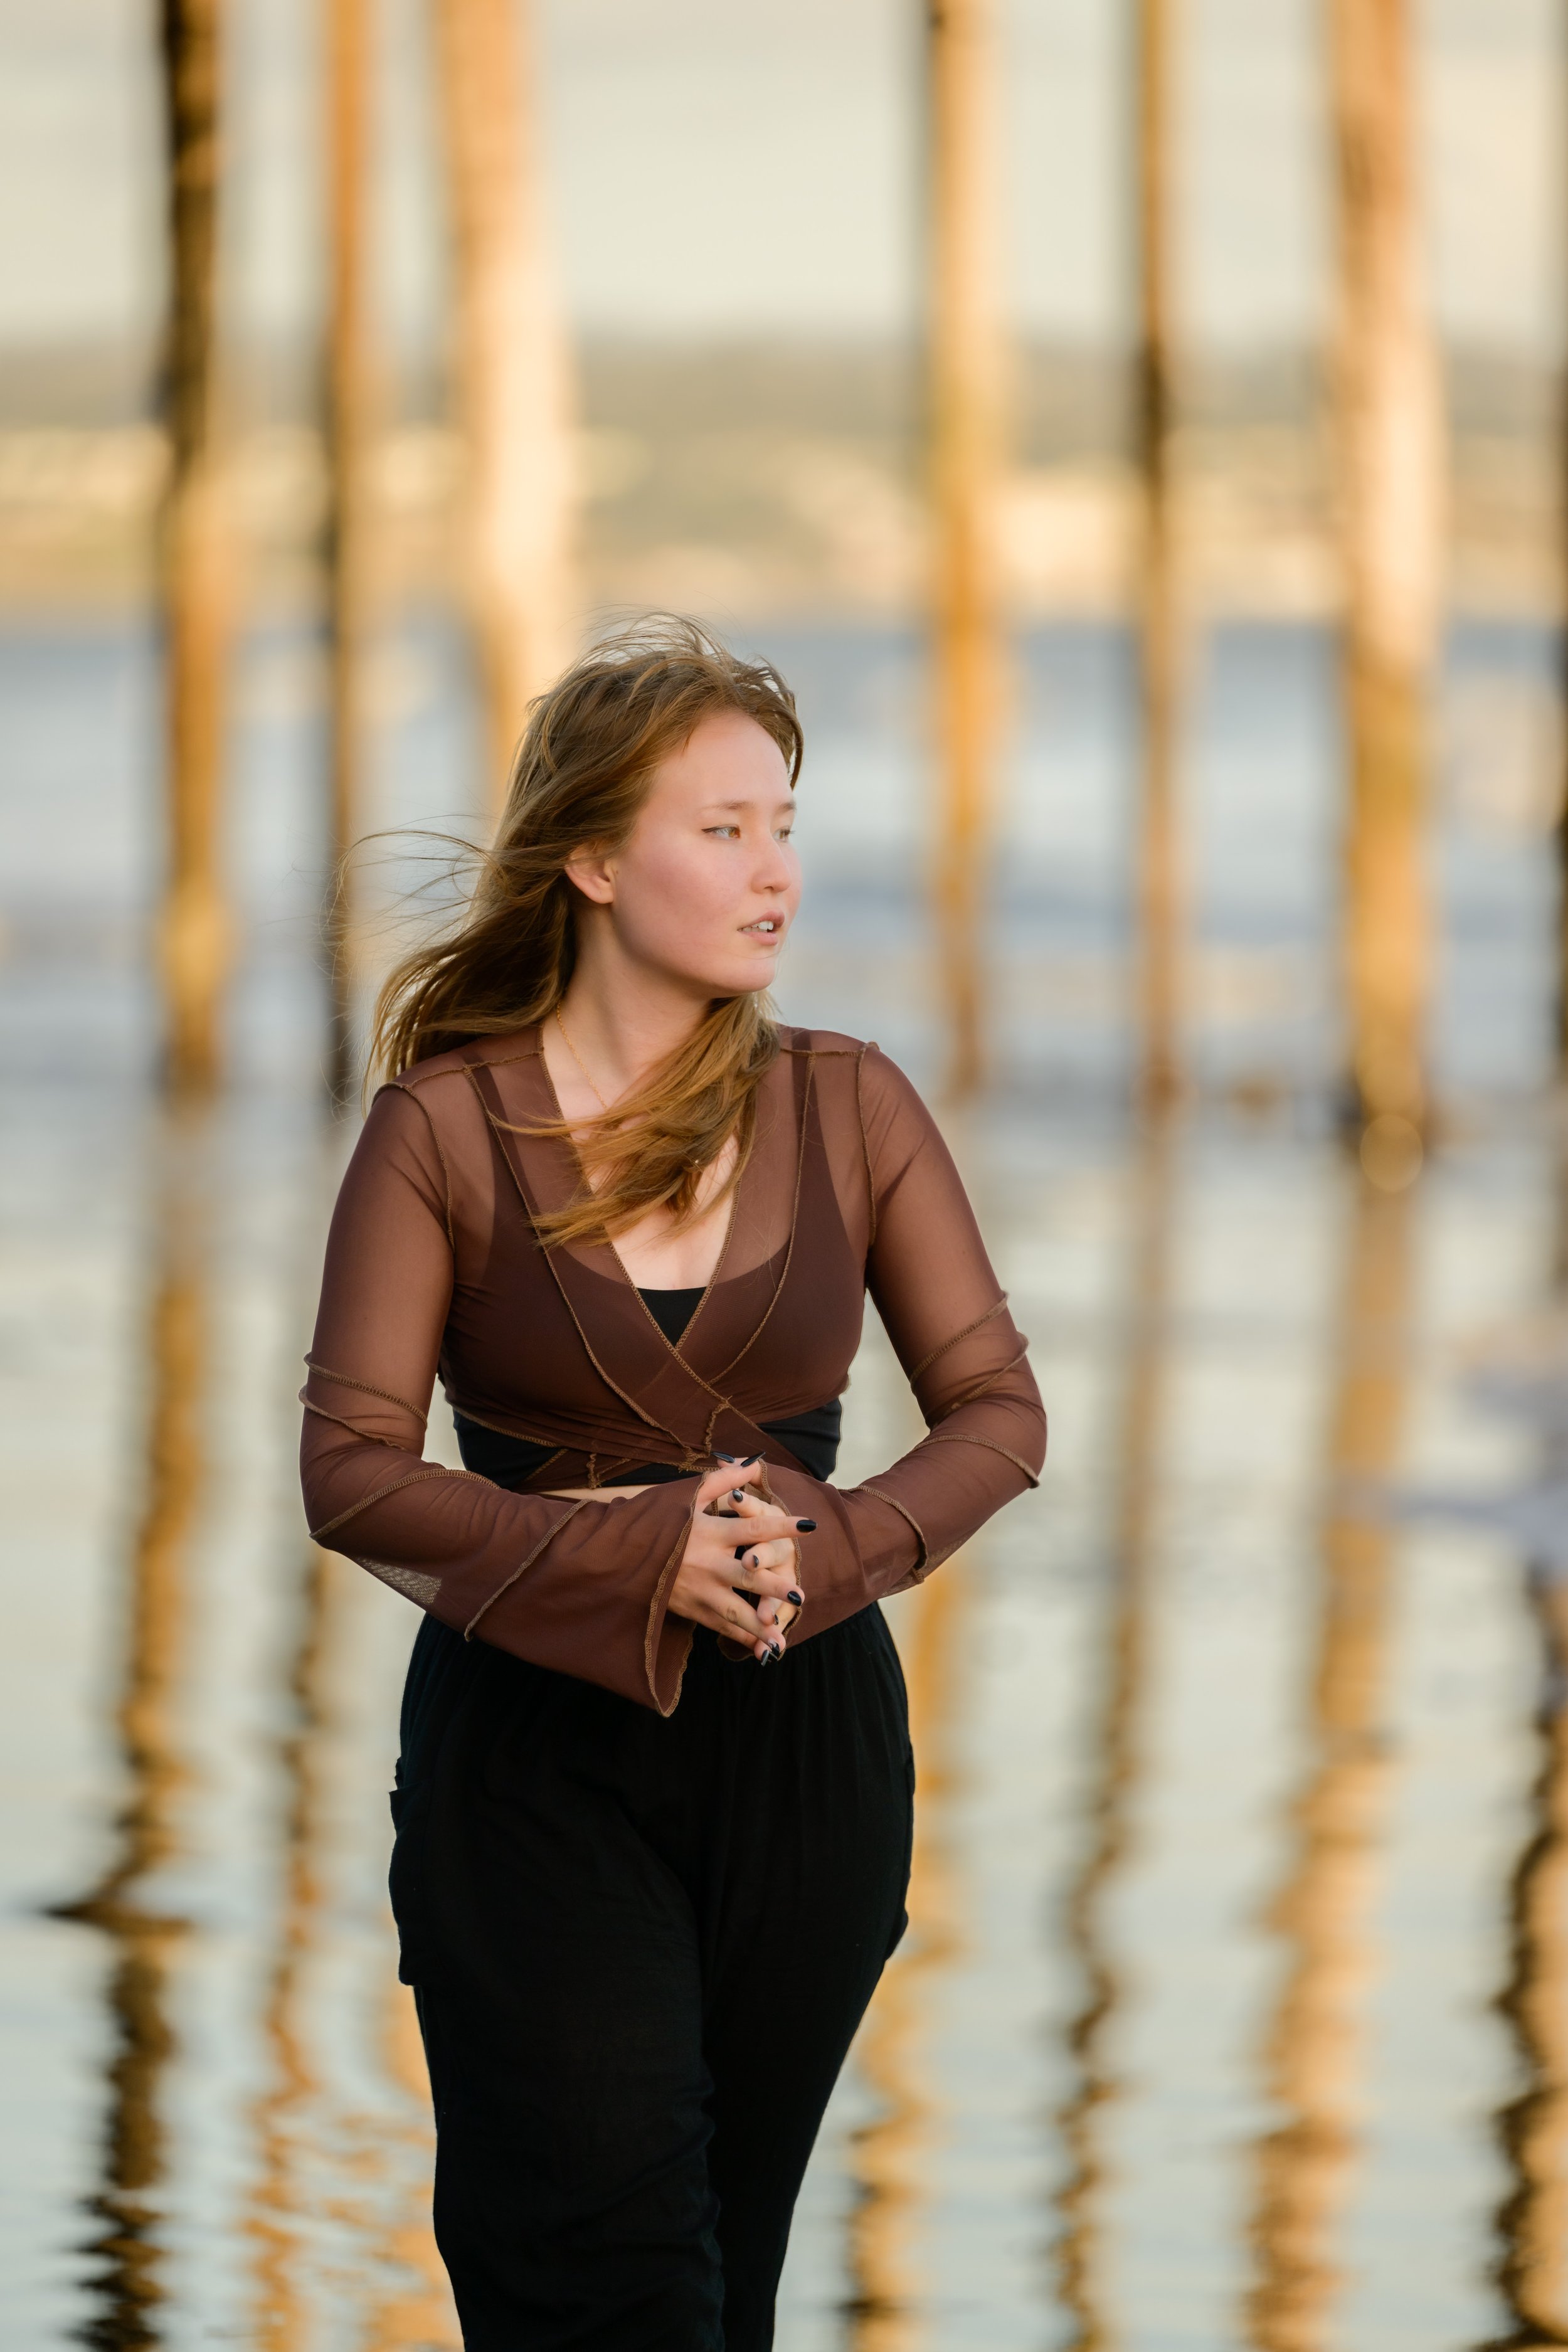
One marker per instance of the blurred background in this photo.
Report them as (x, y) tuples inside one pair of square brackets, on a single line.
[(1136, 427)]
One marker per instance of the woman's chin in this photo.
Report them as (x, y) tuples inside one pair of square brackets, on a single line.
[(744, 976)]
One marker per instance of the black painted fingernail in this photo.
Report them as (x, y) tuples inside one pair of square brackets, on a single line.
[(767, 1657), (798, 1598), (726, 1457), (751, 1560), (748, 1460), (776, 1649), (808, 1526), (737, 1494)]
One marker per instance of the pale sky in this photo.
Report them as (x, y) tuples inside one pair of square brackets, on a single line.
[(737, 166)]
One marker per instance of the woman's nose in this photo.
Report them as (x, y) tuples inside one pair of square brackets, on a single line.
[(776, 871)]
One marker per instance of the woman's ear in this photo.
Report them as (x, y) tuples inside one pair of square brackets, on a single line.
[(592, 871)]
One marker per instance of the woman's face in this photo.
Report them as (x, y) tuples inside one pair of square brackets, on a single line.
[(706, 884)]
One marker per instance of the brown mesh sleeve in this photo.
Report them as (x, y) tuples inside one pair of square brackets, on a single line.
[(582, 1587), (928, 1271)]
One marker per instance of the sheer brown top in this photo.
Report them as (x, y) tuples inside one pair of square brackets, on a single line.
[(434, 1267)]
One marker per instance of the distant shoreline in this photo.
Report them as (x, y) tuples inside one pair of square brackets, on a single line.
[(780, 479)]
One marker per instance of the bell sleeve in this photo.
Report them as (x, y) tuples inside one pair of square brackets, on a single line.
[(962, 1354), (580, 1586)]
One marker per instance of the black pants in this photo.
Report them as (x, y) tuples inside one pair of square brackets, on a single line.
[(640, 1948)]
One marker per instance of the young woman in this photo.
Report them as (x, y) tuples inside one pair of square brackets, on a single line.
[(654, 1800)]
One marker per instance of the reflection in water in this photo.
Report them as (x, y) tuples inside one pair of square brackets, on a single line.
[(1532, 2219), (1116, 1759), (399, 2290), (280, 2312), (890, 2158), (126, 2288), (1303, 2167), (417, 2311)]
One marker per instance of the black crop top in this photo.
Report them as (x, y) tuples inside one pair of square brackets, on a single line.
[(812, 1437)]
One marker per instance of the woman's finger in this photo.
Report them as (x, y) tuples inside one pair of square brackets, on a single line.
[(717, 1539), (735, 1617), (778, 1583), (738, 1622), (730, 1475), (768, 1519), (770, 1557), (766, 1524), (767, 1640)]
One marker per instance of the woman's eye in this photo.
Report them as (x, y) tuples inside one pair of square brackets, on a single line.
[(724, 831), (784, 832)]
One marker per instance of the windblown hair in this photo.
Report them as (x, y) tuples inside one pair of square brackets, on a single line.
[(579, 781)]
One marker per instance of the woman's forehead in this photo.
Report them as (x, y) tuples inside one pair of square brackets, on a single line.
[(729, 761)]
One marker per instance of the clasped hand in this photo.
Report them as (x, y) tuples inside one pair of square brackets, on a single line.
[(730, 1520)]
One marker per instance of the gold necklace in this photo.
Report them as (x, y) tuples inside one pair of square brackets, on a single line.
[(582, 1064)]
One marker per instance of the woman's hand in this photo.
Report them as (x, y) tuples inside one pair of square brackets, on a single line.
[(730, 1519)]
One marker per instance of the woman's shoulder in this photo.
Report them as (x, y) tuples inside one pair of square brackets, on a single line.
[(862, 1056), (825, 1042), (857, 1081), (440, 1076)]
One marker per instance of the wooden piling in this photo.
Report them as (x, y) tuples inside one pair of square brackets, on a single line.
[(1159, 890), (347, 405), (964, 421), (511, 362), (1390, 436), (194, 930), (1560, 831), (1560, 844)]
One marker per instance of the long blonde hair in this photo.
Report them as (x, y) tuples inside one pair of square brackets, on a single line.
[(580, 779)]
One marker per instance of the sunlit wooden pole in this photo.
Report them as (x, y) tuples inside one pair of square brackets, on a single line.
[(1389, 435), (512, 368), (965, 397), (1560, 843), (347, 403), (194, 929), (1560, 831), (1159, 887)]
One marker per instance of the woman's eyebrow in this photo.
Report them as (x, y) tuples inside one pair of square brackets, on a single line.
[(710, 807)]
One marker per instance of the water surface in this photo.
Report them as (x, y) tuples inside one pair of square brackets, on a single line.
[(1232, 2012)]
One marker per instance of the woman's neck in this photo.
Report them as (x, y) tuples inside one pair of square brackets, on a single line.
[(621, 1032)]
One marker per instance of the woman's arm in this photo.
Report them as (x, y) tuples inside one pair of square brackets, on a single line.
[(947, 1316), (584, 1588)]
